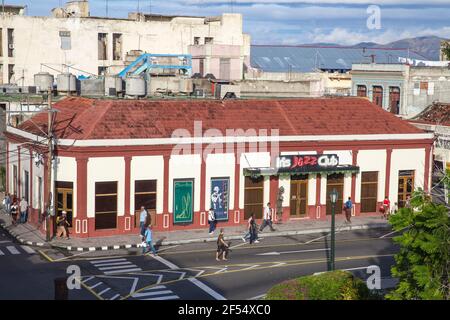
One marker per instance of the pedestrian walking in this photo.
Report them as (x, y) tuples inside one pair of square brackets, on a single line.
[(212, 221), (222, 247), (253, 230), (348, 209), (247, 231), (7, 203), (386, 207), (142, 218), (267, 218), (148, 236), (61, 224), (14, 212), (23, 210)]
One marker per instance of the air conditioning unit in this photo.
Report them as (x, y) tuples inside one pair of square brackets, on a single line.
[(11, 46)]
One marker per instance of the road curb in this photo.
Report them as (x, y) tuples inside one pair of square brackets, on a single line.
[(197, 240)]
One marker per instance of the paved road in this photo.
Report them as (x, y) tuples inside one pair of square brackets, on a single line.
[(191, 272)]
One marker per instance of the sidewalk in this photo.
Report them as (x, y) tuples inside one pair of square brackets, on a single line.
[(29, 235)]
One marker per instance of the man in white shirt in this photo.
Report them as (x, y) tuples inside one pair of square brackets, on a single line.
[(267, 218), (23, 210)]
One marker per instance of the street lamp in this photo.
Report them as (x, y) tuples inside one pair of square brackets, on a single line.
[(333, 198)]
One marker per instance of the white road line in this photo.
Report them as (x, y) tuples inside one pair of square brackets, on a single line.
[(258, 297), (251, 267), (106, 290), (154, 293), (28, 249), (165, 262), (13, 250), (164, 298), (180, 272), (115, 297), (207, 289), (312, 240), (238, 245), (111, 264), (6, 241), (1, 253), (110, 260), (154, 288), (96, 285), (276, 253), (164, 249), (118, 267), (122, 271)]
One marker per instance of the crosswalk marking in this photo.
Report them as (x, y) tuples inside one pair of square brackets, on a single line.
[(115, 297), (153, 293), (122, 271), (106, 290), (117, 267), (13, 250), (90, 278), (28, 249), (109, 260), (111, 264), (96, 285), (174, 297), (1, 253)]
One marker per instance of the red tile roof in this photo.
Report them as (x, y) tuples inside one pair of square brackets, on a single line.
[(82, 118), (437, 114)]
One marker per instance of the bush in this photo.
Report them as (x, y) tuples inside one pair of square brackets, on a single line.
[(336, 285)]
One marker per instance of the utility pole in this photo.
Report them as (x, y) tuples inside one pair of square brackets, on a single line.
[(49, 166)]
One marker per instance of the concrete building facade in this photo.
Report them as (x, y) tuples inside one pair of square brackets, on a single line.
[(402, 89), (71, 39)]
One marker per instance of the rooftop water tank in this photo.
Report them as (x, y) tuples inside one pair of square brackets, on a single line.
[(135, 86), (43, 81), (113, 85), (66, 82)]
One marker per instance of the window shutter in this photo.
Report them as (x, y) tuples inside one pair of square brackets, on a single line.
[(431, 88)]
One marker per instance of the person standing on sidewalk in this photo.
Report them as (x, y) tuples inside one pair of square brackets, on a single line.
[(212, 221), (386, 207), (142, 218), (267, 218), (222, 247), (7, 203), (148, 235), (348, 209), (23, 210)]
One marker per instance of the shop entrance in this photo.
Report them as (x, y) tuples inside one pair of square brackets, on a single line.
[(335, 181), (299, 196), (405, 186), (254, 197)]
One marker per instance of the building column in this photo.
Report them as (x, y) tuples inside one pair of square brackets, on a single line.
[(356, 206), (82, 221), (427, 169), (274, 182), (319, 214), (18, 174), (387, 181), (128, 223)]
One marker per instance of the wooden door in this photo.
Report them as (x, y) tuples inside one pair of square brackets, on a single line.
[(335, 181), (299, 196), (394, 100), (405, 187), (254, 197), (64, 202), (378, 96)]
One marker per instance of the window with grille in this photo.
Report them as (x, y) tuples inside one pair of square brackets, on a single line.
[(106, 205), (369, 191)]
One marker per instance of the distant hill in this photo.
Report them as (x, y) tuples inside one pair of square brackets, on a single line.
[(428, 47)]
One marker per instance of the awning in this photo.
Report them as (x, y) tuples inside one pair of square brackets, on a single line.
[(256, 172)]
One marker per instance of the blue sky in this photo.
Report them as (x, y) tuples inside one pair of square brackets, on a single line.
[(294, 21)]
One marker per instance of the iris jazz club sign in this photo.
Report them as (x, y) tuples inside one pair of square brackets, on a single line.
[(307, 163)]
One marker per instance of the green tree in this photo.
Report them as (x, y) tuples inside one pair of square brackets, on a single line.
[(422, 265), (446, 51)]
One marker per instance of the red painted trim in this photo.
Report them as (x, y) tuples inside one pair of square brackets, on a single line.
[(237, 175), (203, 190), (166, 186), (127, 186), (274, 182), (427, 170), (318, 187), (30, 200), (7, 168), (388, 172), (19, 169)]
